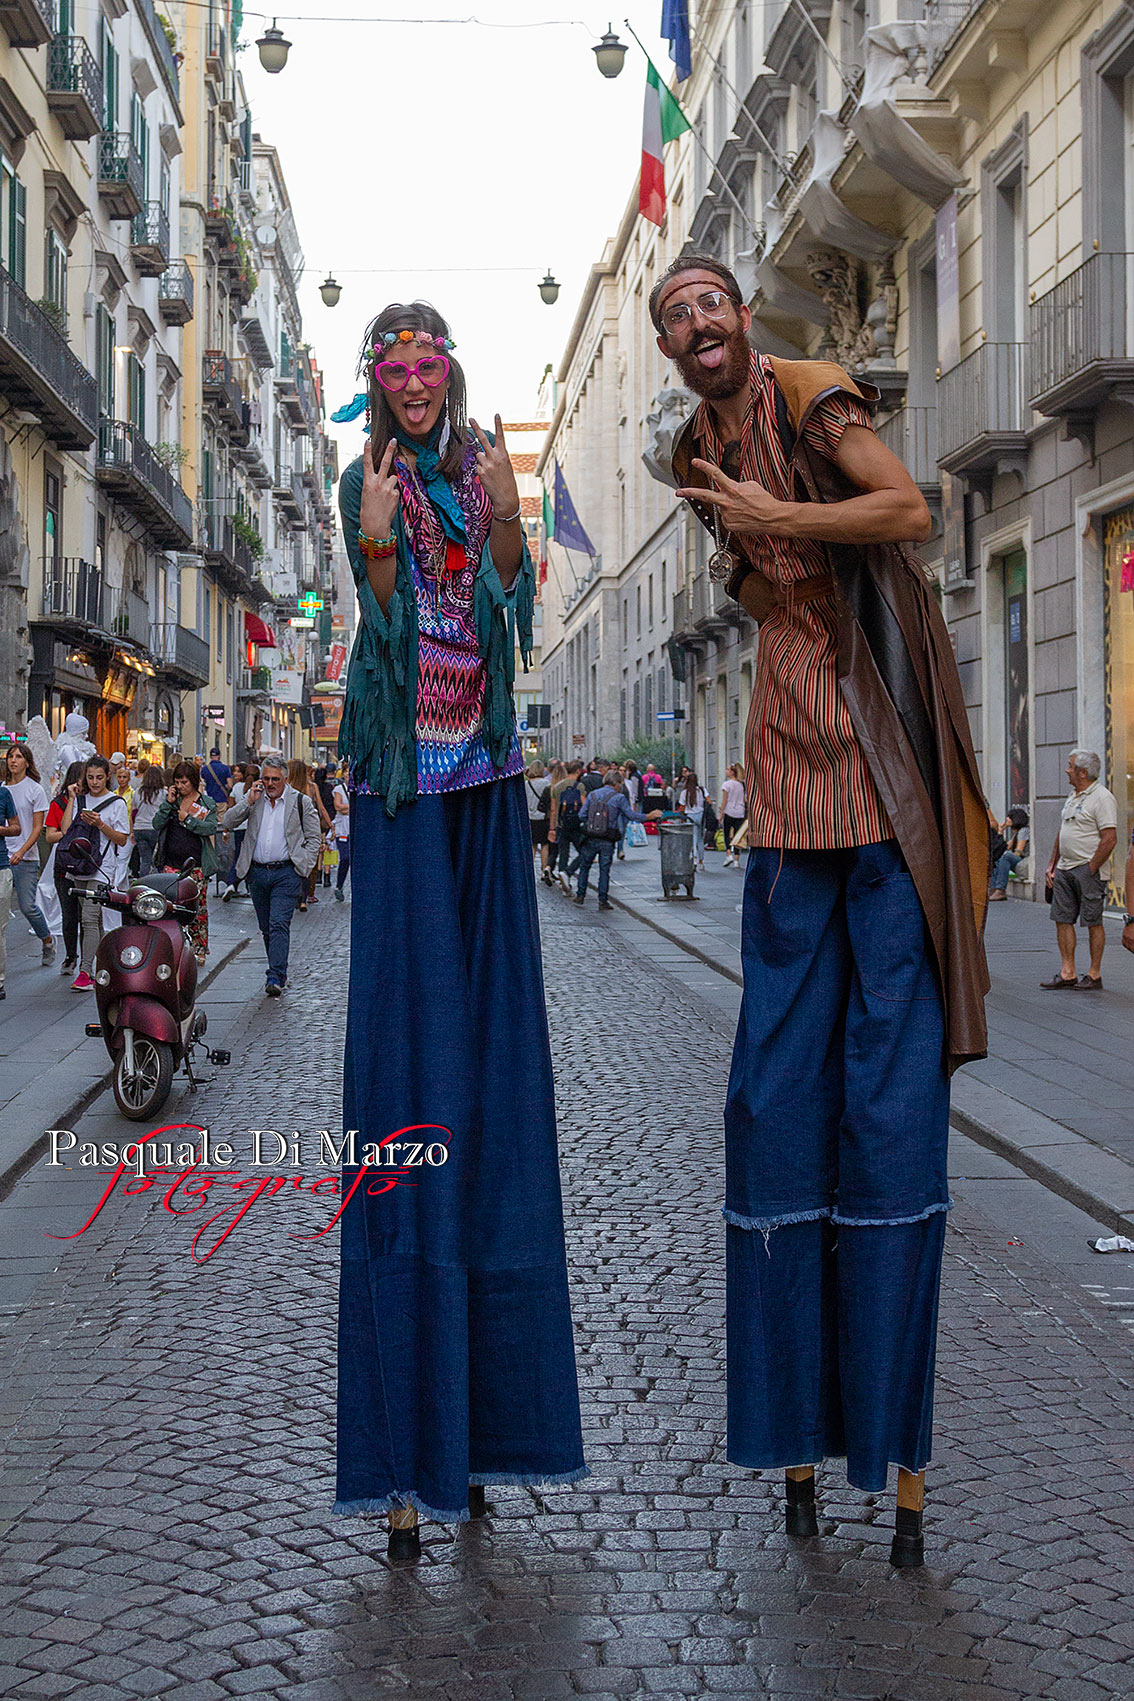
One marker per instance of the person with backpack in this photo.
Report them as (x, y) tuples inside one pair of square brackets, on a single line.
[(690, 801), (605, 817), (865, 893), (94, 843), (537, 789), (186, 825), (567, 800)]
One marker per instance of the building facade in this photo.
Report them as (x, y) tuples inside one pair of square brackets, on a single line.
[(941, 197)]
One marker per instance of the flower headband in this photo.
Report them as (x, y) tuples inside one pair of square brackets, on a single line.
[(424, 337)]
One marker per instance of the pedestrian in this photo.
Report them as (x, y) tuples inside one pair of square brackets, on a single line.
[(66, 898), (280, 845), (632, 780), (123, 784), (73, 745), (154, 784), (605, 817), (340, 803), (559, 782), (864, 973), (732, 810), (1128, 918), (96, 816), (1016, 835), (689, 801), (325, 785), (9, 829), (538, 797), (300, 779), (566, 809), (21, 776), (456, 1358), (216, 779), (186, 825), (654, 793), (243, 780), (1079, 869)]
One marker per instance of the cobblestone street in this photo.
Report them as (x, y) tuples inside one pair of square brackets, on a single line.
[(168, 1465)]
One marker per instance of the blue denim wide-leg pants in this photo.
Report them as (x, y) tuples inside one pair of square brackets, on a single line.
[(456, 1353), (836, 1134)]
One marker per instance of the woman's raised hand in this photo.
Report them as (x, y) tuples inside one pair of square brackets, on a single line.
[(494, 469), (380, 493)]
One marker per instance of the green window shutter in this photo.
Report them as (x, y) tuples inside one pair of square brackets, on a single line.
[(109, 81), (105, 362), (18, 232), (137, 399)]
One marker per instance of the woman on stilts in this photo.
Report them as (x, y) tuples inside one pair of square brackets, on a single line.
[(456, 1359)]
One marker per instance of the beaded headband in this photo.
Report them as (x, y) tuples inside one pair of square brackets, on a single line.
[(389, 338)]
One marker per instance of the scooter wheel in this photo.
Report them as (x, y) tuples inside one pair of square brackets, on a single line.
[(141, 1095)]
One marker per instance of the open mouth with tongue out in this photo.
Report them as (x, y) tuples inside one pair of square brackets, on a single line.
[(710, 354)]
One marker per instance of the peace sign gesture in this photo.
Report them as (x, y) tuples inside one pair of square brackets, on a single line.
[(494, 469), (380, 493), (744, 505)]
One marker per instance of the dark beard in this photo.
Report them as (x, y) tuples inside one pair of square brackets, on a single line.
[(725, 380)]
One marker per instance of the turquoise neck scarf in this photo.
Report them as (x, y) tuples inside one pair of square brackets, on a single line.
[(434, 482)]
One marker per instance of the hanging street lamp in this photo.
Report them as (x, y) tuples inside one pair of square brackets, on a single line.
[(549, 289), (274, 48), (609, 54), (330, 291)]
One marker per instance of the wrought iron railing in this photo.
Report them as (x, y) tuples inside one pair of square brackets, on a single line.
[(953, 15), (985, 395), (73, 69), (1082, 320), (31, 335), (911, 434), (120, 162), (217, 376), (162, 44), (177, 284), (74, 589), (150, 228), (175, 646), (122, 446)]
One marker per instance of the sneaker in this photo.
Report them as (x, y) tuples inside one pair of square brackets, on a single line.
[(1058, 984), (312, 899), (565, 884), (82, 983), (228, 894), (605, 904), (339, 899), (273, 989), (546, 877), (48, 954), (997, 896), (70, 964), (579, 900), (1086, 984)]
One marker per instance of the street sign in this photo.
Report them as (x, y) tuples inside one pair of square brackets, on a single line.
[(578, 738), (539, 714), (671, 714)]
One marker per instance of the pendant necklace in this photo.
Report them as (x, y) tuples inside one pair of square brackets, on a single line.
[(722, 562)]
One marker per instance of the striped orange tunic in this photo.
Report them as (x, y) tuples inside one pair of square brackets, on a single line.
[(809, 787)]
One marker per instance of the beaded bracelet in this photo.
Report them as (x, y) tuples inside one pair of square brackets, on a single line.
[(377, 548), (506, 519)]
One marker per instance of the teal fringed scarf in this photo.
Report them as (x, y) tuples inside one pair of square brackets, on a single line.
[(378, 731)]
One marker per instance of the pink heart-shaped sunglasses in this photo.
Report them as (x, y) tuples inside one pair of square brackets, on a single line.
[(431, 369)]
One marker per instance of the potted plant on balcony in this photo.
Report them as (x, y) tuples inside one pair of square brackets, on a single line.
[(249, 534), (172, 456)]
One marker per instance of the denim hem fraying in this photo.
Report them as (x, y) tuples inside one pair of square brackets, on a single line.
[(764, 1224), (526, 1479), (891, 1222), (872, 1487)]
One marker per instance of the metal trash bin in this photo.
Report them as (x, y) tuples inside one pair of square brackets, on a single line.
[(676, 856)]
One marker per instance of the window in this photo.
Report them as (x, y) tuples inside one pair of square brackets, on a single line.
[(1004, 224), (109, 58), (664, 601), (637, 707), (14, 221), (136, 392), (638, 599), (220, 626), (625, 621), (140, 136), (104, 360), (164, 187), (650, 598), (208, 632), (52, 515), (55, 271), (228, 644), (1017, 730)]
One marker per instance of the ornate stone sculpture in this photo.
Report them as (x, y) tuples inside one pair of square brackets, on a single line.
[(669, 412)]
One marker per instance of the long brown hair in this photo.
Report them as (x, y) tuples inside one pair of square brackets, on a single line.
[(18, 744), (297, 774), (414, 316)]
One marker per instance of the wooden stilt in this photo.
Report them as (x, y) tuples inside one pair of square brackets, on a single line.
[(478, 1505), (800, 1519), (908, 1546), (404, 1542)]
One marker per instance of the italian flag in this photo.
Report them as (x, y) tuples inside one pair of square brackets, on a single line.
[(662, 121)]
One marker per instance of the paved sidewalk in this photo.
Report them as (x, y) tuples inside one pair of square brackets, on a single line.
[(169, 1450), (1055, 1094)]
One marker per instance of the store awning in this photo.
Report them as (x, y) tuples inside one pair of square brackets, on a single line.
[(259, 632)]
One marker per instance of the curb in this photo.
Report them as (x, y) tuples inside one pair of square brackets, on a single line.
[(1022, 1155), (19, 1166)]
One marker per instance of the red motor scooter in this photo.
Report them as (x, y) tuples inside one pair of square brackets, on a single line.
[(145, 988)]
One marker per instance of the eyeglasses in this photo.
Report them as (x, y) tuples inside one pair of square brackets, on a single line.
[(714, 304), (432, 369)]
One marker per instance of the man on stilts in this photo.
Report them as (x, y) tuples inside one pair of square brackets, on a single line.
[(864, 971)]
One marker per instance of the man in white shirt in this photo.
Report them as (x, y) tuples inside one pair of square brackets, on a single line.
[(279, 851), (1079, 869), (342, 837)]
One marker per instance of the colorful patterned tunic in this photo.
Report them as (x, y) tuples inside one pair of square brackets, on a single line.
[(809, 787)]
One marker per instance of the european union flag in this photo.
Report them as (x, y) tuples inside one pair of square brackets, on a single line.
[(675, 30), (568, 530)]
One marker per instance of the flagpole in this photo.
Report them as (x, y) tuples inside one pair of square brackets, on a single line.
[(714, 169)]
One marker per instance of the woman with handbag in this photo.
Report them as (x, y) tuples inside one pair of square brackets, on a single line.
[(456, 1357), (93, 843), (186, 825)]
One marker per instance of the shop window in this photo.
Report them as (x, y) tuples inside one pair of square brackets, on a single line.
[(1118, 641)]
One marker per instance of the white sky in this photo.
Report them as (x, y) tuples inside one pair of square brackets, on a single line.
[(412, 147)]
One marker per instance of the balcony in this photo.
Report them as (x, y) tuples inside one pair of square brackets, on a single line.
[(220, 220), (911, 434), (289, 395), (149, 240), (28, 23), (38, 370), (216, 51), (121, 178), (181, 655), (221, 389), (225, 551), (175, 293), (710, 615), (162, 45), (130, 617), (983, 415), (255, 684), (128, 467), (1081, 357), (75, 597), (289, 494), (74, 87)]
